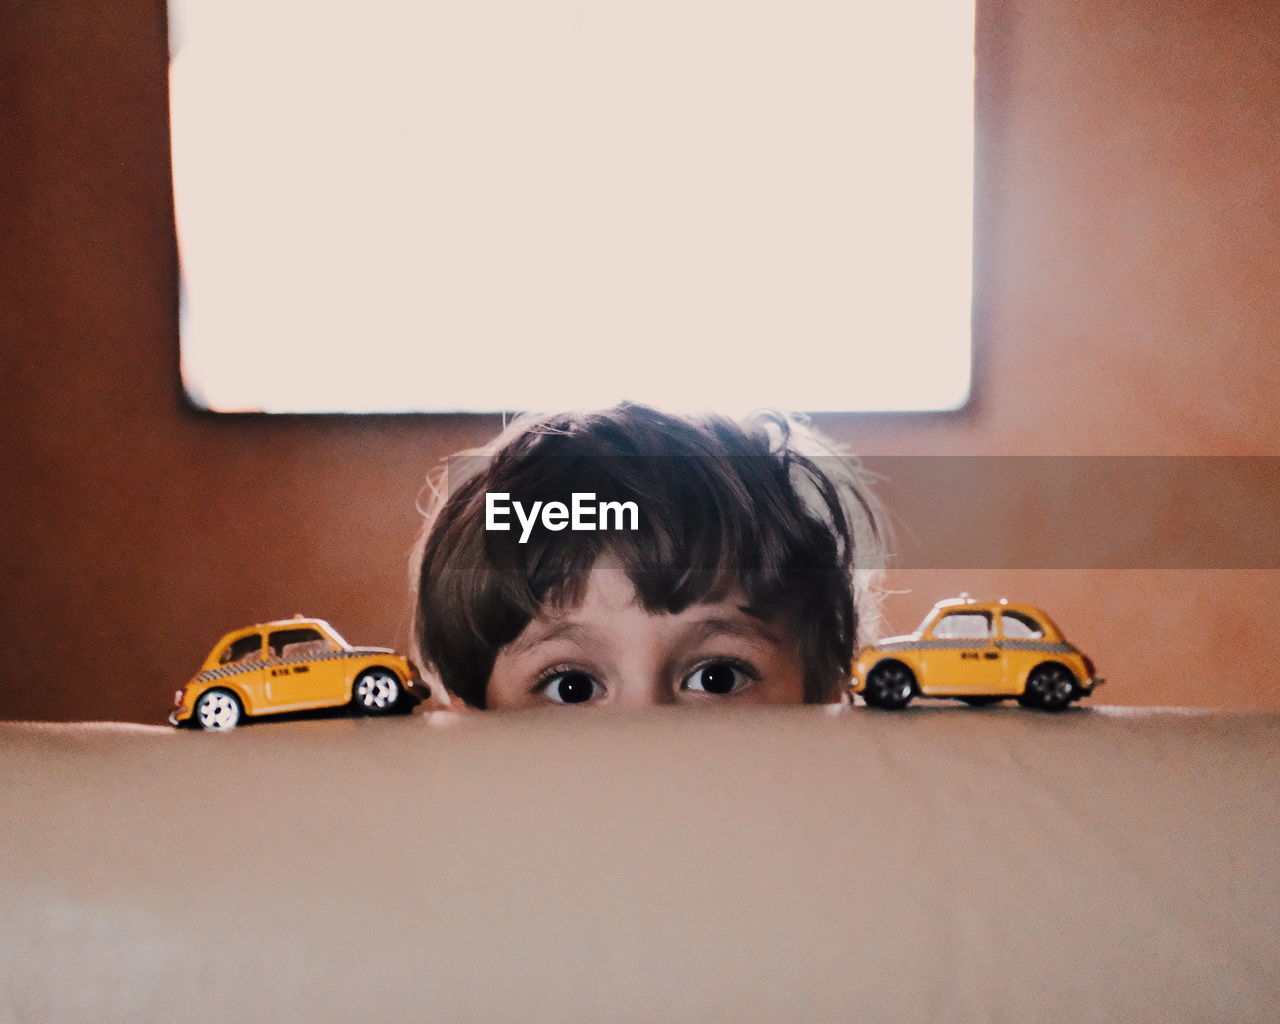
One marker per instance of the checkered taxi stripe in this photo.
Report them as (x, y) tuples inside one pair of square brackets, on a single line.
[(1043, 646), (240, 667)]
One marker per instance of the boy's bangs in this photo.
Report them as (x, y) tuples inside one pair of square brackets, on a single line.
[(666, 577), (707, 527)]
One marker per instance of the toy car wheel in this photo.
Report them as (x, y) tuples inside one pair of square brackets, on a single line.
[(218, 710), (890, 685), (980, 702), (377, 691), (1050, 687)]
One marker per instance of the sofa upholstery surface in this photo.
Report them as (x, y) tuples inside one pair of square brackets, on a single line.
[(814, 864)]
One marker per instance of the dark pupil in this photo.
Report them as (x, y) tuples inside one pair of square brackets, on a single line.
[(717, 679), (574, 687)]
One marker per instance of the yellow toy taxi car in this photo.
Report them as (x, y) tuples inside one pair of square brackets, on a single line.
[(980, 652), (291, 665)]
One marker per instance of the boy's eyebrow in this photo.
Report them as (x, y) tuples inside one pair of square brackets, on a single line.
[(564, 630), (749, 627)]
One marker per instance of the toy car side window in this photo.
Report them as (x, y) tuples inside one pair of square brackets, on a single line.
[(963, 626), (296, 643), (1021, 627), (247, 648)]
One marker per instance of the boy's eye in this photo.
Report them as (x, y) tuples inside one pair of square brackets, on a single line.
[(719, 677), (571, 688)]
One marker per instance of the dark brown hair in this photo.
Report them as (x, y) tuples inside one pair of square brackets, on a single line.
[(722, 504)]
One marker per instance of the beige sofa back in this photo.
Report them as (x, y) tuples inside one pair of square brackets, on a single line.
[(801, 864)]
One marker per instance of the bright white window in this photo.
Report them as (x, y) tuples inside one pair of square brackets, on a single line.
[(539, 204)]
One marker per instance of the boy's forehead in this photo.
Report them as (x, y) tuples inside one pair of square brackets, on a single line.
[(609, 588), (610, 597)]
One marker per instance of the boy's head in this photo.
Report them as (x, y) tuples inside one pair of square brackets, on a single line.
[(736, 580)]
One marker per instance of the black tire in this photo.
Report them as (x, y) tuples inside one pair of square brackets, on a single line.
[(981, 702), (890, 685), (376, 691), (217, 710), (1050, 687)]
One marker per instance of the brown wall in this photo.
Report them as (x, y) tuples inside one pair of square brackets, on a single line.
[(1128, 242)]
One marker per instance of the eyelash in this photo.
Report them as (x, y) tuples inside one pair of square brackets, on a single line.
[(745, 667), (546, 676)]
